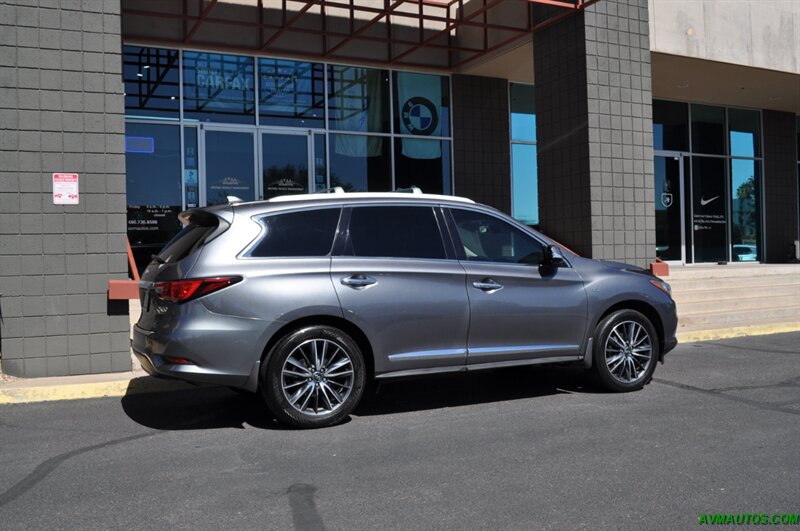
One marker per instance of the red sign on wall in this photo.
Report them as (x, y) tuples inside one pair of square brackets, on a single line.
[(65, 189)]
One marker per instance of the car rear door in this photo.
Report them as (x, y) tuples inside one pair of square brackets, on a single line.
[(519, 310), (398, 281)]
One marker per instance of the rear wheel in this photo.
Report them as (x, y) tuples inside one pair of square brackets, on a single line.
[(625, 351), (314, 377)]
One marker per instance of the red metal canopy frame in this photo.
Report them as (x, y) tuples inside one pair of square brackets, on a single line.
[(452, 14)]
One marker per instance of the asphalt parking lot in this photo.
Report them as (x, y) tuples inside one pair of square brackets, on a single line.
[(718, 430)]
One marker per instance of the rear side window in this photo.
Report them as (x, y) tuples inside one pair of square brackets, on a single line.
[(181, 245), (304, 233), (394, 231)]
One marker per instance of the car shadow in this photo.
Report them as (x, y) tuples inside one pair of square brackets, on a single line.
[(207, 407)]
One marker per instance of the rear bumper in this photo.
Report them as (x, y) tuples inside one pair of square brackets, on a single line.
[(155, 355)]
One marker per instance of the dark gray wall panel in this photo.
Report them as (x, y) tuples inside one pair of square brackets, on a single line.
[(61, 110)]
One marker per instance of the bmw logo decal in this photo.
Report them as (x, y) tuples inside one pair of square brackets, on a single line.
[(419, 116)]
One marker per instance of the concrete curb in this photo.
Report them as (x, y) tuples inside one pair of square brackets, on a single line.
[(116, 385), (738, 331), (77, 388)]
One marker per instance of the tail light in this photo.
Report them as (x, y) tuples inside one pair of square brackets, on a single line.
[(180, 291)]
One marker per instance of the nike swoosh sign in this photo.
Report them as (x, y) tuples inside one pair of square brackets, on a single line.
[(704, 202)]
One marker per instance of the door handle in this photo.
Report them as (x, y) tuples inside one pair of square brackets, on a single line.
[(487, 284), (358, 281)]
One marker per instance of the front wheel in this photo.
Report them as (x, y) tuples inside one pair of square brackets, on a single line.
[(314, 377), (625, 351)]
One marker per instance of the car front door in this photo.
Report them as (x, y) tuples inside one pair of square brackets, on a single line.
[(398, 282), (519, 308)]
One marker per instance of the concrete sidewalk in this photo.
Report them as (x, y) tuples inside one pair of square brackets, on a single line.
[(25, 390)]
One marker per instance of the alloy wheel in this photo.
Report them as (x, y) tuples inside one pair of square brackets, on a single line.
[(629, 352), (317, 377)]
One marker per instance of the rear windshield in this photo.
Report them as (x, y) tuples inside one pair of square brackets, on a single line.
[(182, 244)]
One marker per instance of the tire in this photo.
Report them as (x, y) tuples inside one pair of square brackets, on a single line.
[(622, 342), (306, 390)]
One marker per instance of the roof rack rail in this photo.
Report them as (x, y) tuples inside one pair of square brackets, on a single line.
[(411, 190), (332, 190)]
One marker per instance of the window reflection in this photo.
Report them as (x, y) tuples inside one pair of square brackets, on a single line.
[(422, 163), (151, 82), (670, 126), (745, 226), (523, 112), (524, 161), (153, 183), (708, 129), (291, 93), (745, 133), (218, 88), (230, 166), (524, 183), (358, 99), (360, 163)]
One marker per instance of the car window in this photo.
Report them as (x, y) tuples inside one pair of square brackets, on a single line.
[(394, 231), (489, 239), (189, 237), (304, 233)]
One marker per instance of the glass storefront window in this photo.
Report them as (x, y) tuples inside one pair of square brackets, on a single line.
[(708, 130), (360, 163), (152, 82), (218, 88), (190, 167), (745, 218), (524, 183), (523, 112), (153, 179), (524, 170), (291, 93), (358, 99), (422, 163), (745, 133), (670, 126), (421, 104)]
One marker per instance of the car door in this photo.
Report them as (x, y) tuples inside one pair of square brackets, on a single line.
[(519, 309), (398, 282)]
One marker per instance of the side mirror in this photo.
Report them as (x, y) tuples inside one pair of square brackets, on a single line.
[(553, 256)]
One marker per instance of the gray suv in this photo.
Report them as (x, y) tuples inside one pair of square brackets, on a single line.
[(305, 298)]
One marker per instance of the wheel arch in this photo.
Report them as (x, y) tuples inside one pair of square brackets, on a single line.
[(325, 320), (643, 308)]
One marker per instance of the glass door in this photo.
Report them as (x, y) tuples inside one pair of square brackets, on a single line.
[(228, 165), (286, 157), (669, 200), (709, 210)]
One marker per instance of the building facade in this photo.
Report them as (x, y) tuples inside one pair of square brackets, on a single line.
[(628, 130)]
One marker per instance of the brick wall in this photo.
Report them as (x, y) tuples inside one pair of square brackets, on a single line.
[(780, 184), (594, 116), (481, 144), (61, 110)]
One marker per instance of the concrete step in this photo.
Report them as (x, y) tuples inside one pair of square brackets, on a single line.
[(738, 305), (724, 295), (732, 283), (731, 270), (726, 317)]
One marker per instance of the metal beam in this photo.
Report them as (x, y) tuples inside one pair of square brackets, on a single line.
[(199, 21)]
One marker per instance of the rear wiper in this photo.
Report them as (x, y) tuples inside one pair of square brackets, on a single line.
[(158, 259)]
